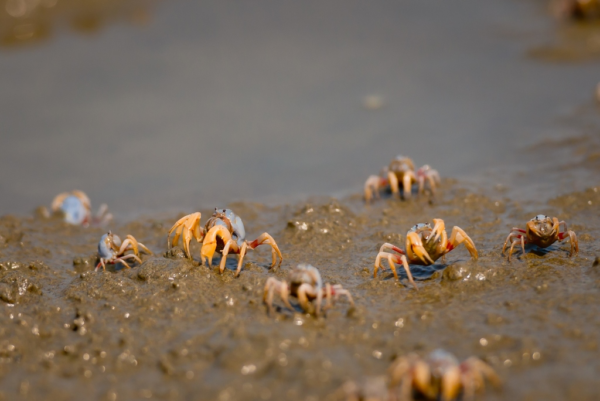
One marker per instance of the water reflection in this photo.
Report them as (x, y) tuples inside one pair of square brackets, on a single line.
[(24, 22)]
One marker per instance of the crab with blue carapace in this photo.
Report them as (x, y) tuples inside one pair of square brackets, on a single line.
[(224, 231)]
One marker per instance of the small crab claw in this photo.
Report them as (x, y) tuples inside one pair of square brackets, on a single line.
[(438, 227), (414, 243), (422, 377), (459, 236), (304, 292)]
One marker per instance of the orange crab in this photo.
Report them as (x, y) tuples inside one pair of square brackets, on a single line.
[(541, 231), (225, 231), (401, 171), (306, 284), (440, 376), (424, 245)]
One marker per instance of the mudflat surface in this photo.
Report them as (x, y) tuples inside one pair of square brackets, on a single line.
[(156, 106), (162, 109), (172, 329)]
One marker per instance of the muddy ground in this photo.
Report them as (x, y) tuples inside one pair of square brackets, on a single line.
[(172, 329)]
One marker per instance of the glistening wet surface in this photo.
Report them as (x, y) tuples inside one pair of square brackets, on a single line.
[(216, 104), (182, 104)]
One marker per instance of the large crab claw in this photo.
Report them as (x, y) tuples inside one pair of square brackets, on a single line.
[(209, 246), (188, 226), (415, 246), (60, 198)]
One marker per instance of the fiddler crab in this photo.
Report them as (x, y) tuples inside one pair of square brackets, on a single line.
[(224, 231), (424, 245), (77, 210), (401, 171), (439, 376), (306, 284), (541, 231), (111, 250)]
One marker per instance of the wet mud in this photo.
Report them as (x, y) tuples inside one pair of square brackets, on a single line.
[(172, 329)]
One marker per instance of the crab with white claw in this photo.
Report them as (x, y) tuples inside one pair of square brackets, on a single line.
[(424, 245), (77, 210), (306, 284), (401, 171), (439, 376), (541, 231), (223, 231), (111, 250)]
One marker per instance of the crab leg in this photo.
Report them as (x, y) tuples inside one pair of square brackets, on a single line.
[(564, 223), (394, 185), (451, 384), (230, 244), (511, 235), (392, 247), (372, 186), (265, 238), (122, 259), (474, 372), (572, 239), (391, 258), (338, 290), (101, 263), (328, 295), (459, 236), (273, 285), (134, 246), (421, 177), (514, 242), (407, 181), (241, 255)]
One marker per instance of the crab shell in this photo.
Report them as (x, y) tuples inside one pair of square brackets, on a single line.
[(542, 230), (107, 246), (75, 205), (424, 231), (232, 222), (305, 274), (401, 164)]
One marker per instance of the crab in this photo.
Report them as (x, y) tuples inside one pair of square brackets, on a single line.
[(111, 250), (306, 284), (77, 210), (582, 10), (224, 231), (541, 231), (401, 170), (439, 376), (424, 245)]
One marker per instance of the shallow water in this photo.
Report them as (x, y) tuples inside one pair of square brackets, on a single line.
[(264, 111), (183, 104)]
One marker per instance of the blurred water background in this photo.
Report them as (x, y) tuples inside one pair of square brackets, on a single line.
[(150, 105)]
